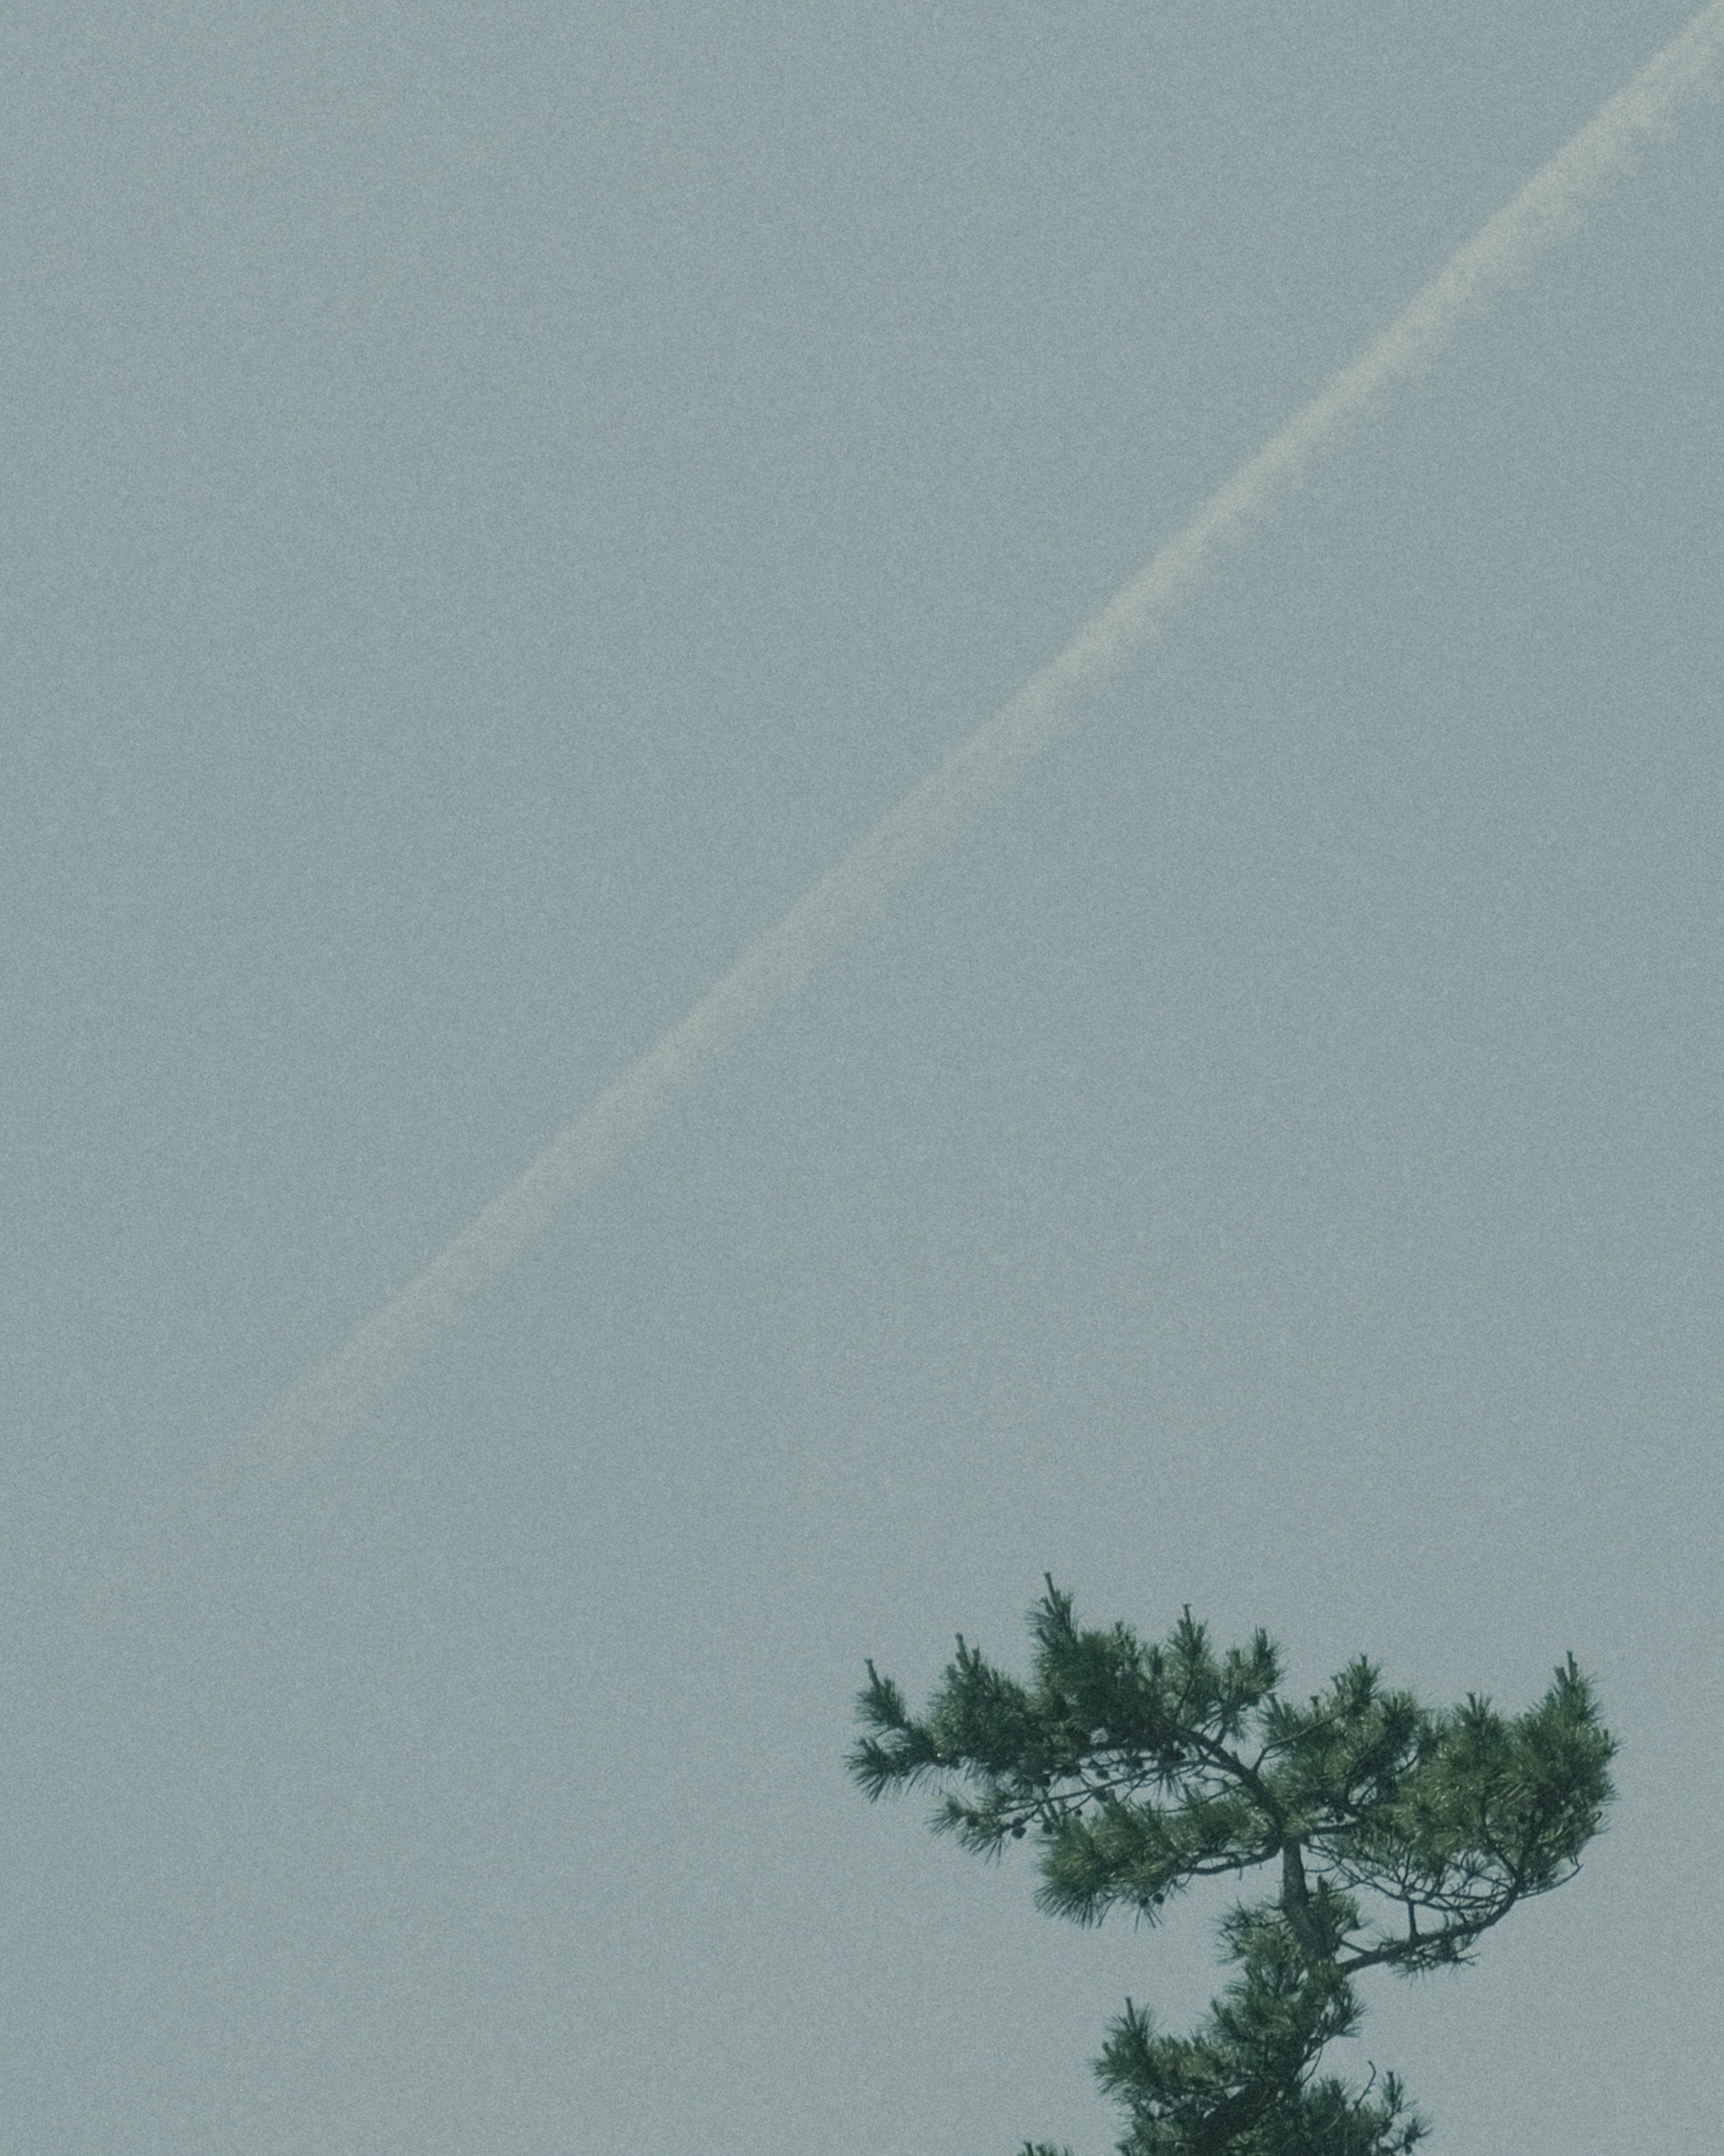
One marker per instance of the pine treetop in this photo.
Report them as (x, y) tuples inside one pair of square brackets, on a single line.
[(1141, 1768)]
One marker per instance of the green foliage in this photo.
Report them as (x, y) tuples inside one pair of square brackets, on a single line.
[(1139, 1770)]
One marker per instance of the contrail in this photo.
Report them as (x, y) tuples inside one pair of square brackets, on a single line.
[(1552, 204)]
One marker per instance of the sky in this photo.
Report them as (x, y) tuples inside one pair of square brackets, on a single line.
[(501, 498)]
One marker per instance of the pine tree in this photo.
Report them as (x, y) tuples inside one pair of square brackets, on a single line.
[(1139, 1770)]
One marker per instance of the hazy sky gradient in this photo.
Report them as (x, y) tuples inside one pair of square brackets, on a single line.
[(501, 499), (936, 812)]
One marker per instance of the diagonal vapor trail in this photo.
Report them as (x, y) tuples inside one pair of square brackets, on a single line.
[(1550, 205)]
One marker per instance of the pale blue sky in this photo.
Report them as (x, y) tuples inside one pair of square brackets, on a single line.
[(501, 498)]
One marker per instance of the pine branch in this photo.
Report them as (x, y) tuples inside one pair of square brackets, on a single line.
[(1139, 1769)]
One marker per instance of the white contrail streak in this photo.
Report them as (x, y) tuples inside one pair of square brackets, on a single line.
[(1552, 204)]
